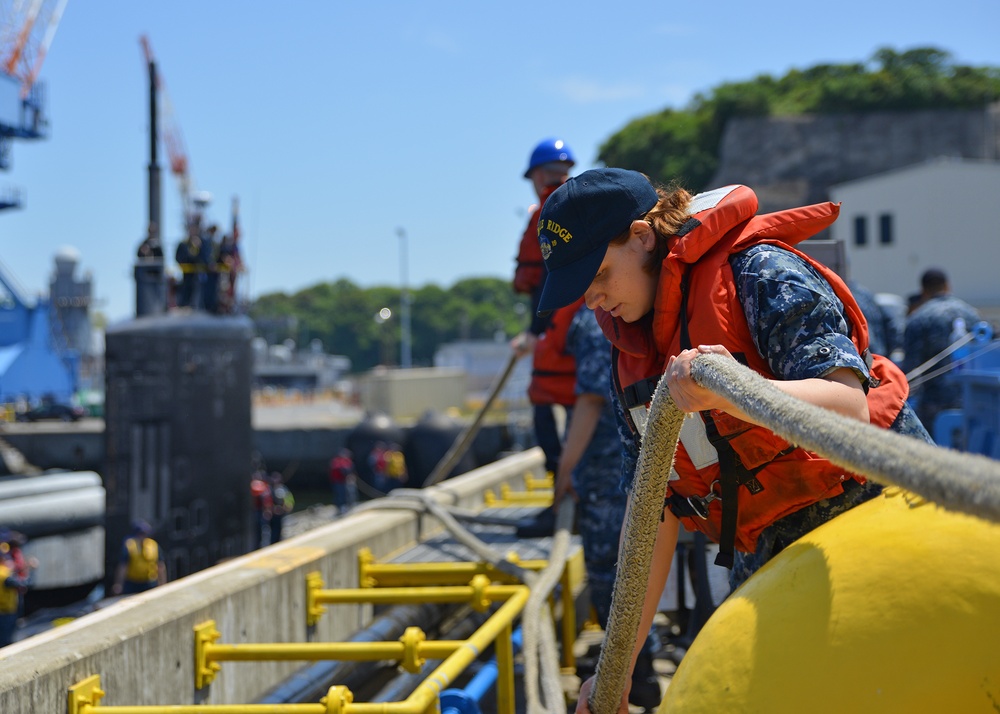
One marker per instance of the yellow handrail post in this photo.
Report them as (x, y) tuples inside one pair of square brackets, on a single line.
[(314, 611), (337, 699), (365, 561), (531, 483), (479, 584), (412, 638), (205, 635), (504, 651), (85, 694)]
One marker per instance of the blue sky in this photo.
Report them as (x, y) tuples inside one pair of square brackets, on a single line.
[(337, 123)]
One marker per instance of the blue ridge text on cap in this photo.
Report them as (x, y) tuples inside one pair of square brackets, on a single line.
[(554, 228)]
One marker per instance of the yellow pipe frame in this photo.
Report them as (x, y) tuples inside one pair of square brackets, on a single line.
[(380, 575), (372, 574), (531, 483), (412, 651), (510, 498), (478, 594), (85, 696)]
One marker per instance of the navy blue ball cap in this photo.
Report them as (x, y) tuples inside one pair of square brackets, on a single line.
[(579, 220)]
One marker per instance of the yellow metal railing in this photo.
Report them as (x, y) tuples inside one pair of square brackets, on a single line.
[(539, 484), (535, 497), (476, 584), (372, 574), (478, 594), (411, 652)]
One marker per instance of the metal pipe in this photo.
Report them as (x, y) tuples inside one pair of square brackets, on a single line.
[(497, 627), (359, 651), (404, 683), (457, 701), (405, 355), (311, 682), (207, 709), (154, 167), (378, 575), (445, 594)]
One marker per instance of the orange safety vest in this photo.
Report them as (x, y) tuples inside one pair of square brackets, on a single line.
[(553, 377), (530, 271), (772, 477), (143, 560)]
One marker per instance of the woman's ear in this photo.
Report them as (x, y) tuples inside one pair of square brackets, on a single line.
[(644, 233)]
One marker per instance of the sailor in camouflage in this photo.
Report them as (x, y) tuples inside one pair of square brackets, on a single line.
[(797, 323), (928, 332), (883, 336), (601, 503)]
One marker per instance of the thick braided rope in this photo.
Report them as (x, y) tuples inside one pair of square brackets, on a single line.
[(539, 643), (656, 457), (542, 658), (968, 483)]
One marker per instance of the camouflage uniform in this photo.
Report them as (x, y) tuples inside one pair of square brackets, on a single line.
[(797, 323), (601, 506), (928, 332), (882, 334)]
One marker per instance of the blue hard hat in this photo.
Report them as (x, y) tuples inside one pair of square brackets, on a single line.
[(547, 151)]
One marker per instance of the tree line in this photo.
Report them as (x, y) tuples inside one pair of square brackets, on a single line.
[(683, 144), (346, 319)]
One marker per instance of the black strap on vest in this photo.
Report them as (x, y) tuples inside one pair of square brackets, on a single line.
[(732, 475)]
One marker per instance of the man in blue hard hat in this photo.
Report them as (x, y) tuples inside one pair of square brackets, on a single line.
[(552, 381)]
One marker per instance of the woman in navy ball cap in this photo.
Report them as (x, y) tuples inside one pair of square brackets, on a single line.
[(671, 276)]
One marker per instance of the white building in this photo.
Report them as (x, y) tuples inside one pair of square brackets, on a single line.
[(943, 213), (484, 361)]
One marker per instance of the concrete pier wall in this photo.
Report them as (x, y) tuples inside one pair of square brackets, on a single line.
[(142, 646)]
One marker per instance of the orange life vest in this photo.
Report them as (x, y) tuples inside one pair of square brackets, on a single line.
[(553, 377), (530, 271), (773, 478)]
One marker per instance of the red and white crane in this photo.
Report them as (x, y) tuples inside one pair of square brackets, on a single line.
[(26, 32)]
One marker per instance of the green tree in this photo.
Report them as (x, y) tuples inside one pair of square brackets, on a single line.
[(343, 316), (684, 144)]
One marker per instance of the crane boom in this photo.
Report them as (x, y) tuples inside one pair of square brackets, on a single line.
[(28, 34)]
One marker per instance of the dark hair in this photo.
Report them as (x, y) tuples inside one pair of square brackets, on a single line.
[(933, 279)]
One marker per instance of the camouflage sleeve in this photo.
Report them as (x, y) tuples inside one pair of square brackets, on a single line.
[(592, 352), (796, 320), (630, 445)]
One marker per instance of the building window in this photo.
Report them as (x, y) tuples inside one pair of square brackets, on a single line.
[(885, 229), (860, 230)]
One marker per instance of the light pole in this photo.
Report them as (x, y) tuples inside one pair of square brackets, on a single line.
[(405, 354)]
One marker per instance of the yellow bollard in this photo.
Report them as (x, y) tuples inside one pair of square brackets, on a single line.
[(893, 606)]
